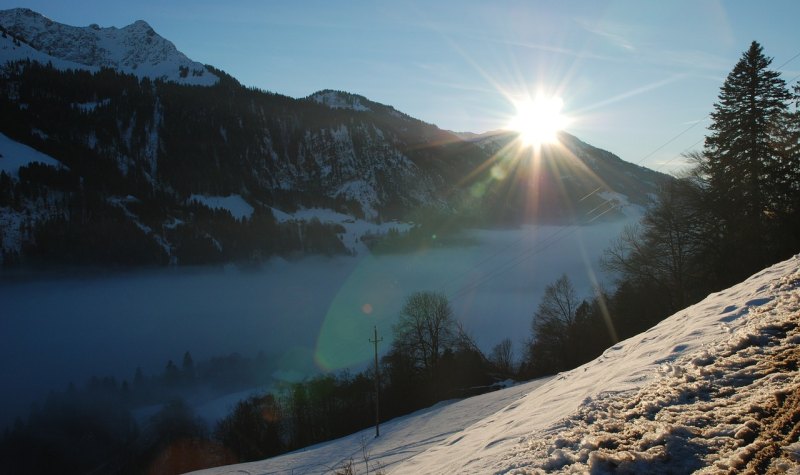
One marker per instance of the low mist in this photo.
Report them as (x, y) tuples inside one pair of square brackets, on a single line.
[(315, 314)]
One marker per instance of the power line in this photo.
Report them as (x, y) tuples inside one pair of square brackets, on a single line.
[(671, 140), (789, 60), (513, 262), (680, 154)]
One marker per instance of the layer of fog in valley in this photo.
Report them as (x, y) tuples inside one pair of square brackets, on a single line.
[(309, 315)]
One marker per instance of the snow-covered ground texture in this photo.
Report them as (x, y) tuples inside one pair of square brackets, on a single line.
[(713, 389), (135, 49), (401, 438)]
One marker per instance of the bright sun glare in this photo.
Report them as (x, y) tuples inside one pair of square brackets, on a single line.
[(539, 120)]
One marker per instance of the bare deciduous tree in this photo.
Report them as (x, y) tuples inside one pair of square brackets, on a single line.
[(426, 328), (503, 357), (559, 303), (553, 325), (666, 248)]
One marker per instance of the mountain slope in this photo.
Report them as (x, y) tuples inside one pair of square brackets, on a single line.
[(574, 180), (135, 49), (138, 144), (714, 386)]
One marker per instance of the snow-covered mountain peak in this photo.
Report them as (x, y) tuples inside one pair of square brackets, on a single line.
[(134, 49), (140, 24), (341, 100)]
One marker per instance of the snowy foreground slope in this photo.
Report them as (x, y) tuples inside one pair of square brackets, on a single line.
[(715, 388)]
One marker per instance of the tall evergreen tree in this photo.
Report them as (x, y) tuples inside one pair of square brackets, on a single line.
[(742, 157), (425, 329)]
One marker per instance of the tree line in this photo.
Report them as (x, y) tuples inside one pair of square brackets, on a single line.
[(63, 222)]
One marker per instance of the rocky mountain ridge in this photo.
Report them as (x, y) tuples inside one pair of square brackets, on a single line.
[(134, 49)]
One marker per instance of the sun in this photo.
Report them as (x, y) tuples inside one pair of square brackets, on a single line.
[(539, 120)]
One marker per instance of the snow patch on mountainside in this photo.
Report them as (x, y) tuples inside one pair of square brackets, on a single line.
[(122, 203), (339, 100), (11, 50), (14, 155), (13, 221), (622, 203), (234, 204), (91, 106), (355, 229), (135, 49), (358, 162)]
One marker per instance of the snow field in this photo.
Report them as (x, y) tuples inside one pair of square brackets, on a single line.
[(725, 409), (401, 438), (714, 387)]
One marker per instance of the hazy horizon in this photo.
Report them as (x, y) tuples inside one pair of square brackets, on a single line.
[(58, 324)]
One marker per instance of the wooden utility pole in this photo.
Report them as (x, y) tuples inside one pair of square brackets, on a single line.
[(377, 385)]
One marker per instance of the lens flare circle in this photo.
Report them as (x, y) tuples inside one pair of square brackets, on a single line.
[(538, 120)]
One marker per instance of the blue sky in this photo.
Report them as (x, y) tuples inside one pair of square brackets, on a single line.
[(632, 74)]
